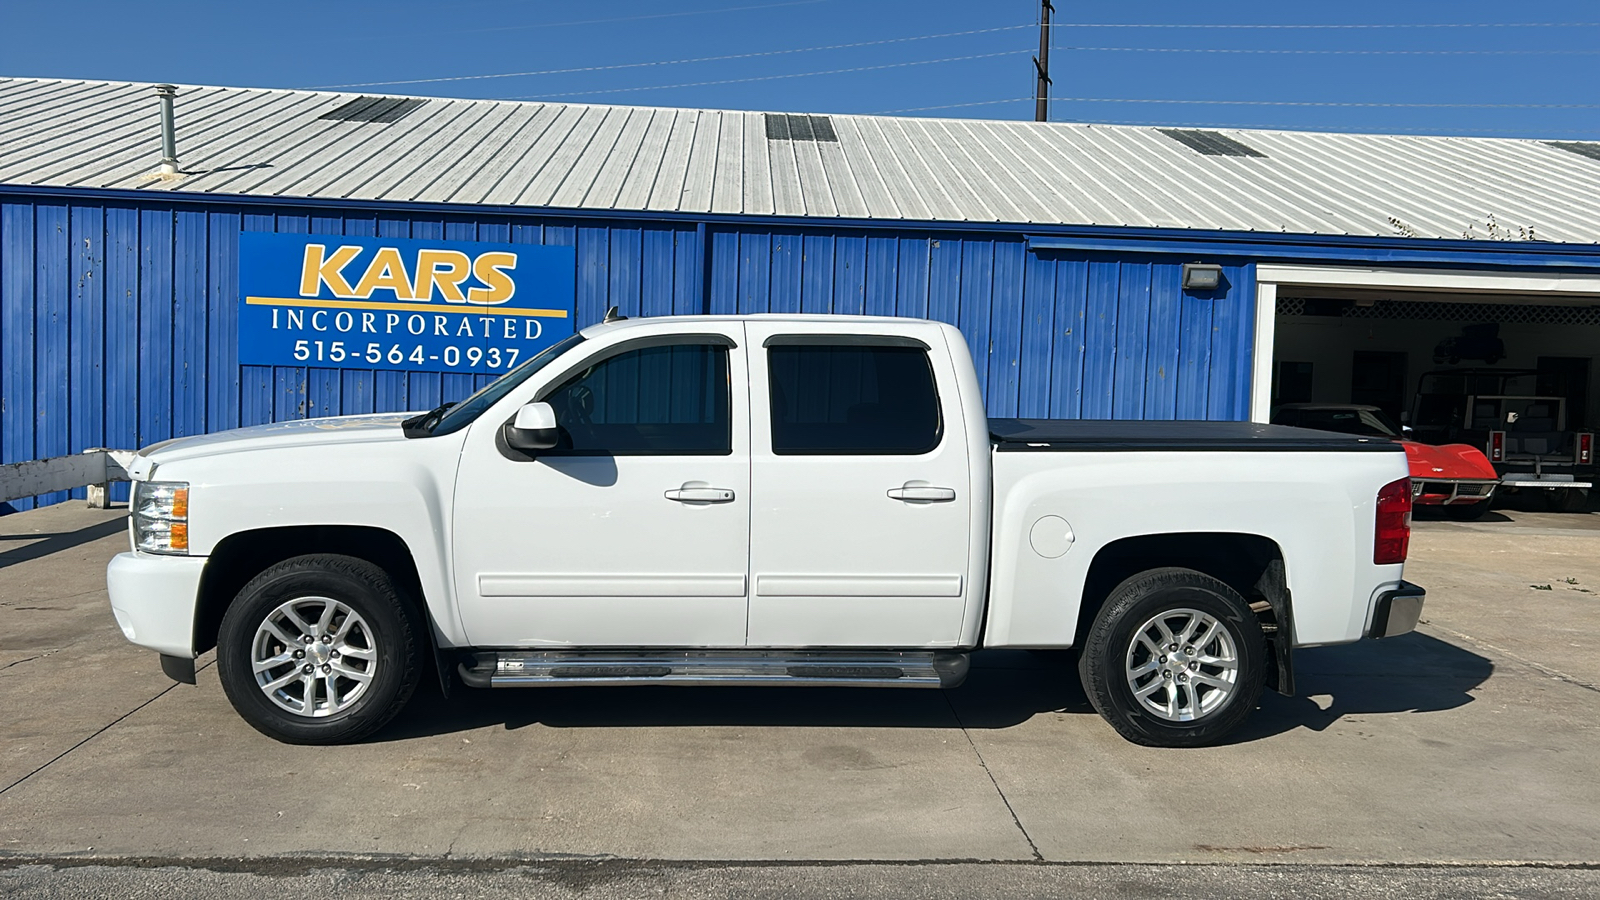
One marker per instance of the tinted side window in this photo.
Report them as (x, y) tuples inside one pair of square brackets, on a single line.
[(852, 399), (654, 401)]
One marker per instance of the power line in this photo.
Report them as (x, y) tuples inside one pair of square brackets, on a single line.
[(1333, 103), (1537, 52), (1394, 25), (1253, 103), (887, 112), (662, 87), (668, 15), (674, 62)]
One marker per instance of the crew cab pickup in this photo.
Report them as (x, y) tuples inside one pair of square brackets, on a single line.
[(762, 500)]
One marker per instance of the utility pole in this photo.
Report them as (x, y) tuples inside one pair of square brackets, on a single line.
[(1041, 65)]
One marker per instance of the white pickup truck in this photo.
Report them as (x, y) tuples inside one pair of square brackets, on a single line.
[(766, 500)]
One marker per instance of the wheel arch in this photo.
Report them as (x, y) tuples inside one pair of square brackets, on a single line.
[(1251, 564), (243, 555)]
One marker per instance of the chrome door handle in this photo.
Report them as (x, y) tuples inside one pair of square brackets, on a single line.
[(923, 493), (697, 494)]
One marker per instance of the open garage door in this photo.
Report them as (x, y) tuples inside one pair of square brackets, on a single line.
[(1507, 364)]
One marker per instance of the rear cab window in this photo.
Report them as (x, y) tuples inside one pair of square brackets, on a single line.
[(852, 395)]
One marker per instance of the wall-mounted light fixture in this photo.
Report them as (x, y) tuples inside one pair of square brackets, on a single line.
[(1201, 277)]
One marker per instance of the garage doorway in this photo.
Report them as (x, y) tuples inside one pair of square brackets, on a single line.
[(1378, 378), (1501, 362), (1371, 335), (1567, 376)]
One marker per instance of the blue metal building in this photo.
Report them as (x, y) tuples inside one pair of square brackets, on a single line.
[(1057, 249)]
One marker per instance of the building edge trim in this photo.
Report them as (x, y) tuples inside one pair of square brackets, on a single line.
[(1083, 238)]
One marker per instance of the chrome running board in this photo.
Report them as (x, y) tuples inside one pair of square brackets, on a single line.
[(813, 668)]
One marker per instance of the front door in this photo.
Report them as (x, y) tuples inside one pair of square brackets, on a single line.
[(859, 529), (634, 531)]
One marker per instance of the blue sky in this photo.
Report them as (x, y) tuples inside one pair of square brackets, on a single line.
[(913, 54)]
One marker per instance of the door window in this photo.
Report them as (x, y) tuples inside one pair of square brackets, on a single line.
[(852, 398), (671, 400)]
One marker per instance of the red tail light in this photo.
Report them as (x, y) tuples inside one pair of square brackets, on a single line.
[(1585, 449), (1392, 536), (1497, 446)]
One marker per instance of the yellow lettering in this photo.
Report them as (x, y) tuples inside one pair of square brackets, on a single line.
[(445, 269), (386, 271), (494, 270), (318, 270)]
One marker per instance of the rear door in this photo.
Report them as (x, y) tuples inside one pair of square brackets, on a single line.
[(860, 487)]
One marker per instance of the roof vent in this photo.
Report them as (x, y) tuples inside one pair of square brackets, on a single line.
[(169, 132), (374, 109), (1582, 148), (781, 127), (1210, 143)]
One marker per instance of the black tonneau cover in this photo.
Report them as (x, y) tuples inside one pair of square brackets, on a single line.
[(1101, 435)]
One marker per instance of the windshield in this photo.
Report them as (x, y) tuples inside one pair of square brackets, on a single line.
[(467, 411), (1347, 421)]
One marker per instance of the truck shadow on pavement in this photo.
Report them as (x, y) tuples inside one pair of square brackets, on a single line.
[(18, 548), (1414, 673)]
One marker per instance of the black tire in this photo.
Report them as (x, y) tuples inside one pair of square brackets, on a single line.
[(1567, 500), (385, 627), (1466, 512), (1139, 600)]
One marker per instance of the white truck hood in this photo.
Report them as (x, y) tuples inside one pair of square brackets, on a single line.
[(334, 430)]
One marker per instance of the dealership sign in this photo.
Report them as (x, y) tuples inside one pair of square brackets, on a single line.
[(386, 303)]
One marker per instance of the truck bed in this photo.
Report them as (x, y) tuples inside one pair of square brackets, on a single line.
[(1065, 435)]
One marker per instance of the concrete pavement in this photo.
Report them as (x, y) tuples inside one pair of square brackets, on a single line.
[(604, 880), (1469, 742)]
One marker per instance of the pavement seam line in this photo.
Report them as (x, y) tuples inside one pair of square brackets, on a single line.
[(103, 729), (29, 659), (984, 763), (1557, 674)]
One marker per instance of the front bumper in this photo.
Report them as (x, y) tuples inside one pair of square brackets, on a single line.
[(1397, 610), (154, 599)]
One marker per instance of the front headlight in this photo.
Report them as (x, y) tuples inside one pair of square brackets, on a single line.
[(161, 516)]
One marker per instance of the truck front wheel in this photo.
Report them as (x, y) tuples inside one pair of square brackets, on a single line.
[(319, 649), (1175, 658)]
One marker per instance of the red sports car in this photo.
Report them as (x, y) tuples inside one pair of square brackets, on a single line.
[(1456, 477)]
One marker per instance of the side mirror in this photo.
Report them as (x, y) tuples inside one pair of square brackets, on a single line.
[(1406, 429), (533, 429)]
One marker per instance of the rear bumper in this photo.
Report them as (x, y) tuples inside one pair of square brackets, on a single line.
[(1519, 480), (1451, 491), (154, 597), (1397, 611)]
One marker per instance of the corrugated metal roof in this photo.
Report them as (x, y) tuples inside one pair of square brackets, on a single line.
[(274, 143)]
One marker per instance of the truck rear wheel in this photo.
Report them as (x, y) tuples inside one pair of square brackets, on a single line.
[(319, 649), (1175, 658)]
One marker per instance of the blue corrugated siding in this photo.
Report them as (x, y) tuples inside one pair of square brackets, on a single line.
[(118, 320)]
